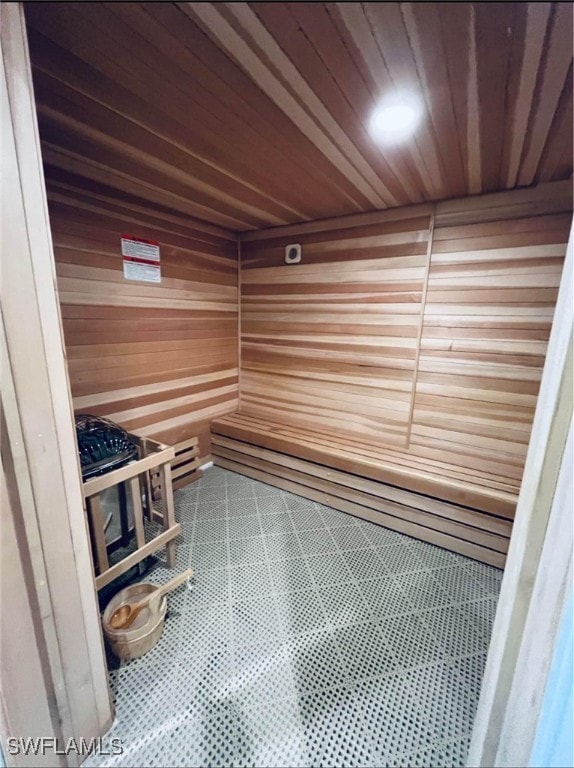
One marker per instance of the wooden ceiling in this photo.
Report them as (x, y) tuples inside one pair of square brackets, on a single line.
[(250, 115)]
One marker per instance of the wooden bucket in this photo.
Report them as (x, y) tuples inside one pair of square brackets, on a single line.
[(146, 630)]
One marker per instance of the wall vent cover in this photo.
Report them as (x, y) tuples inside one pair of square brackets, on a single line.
[(292, 253)]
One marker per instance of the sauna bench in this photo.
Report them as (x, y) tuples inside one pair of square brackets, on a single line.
[(460, 509)]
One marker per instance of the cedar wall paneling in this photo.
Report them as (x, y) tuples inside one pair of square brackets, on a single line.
[(160, 359), (491, 295), (333, 343)]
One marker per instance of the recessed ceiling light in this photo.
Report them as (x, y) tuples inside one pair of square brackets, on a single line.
[(395, 119)]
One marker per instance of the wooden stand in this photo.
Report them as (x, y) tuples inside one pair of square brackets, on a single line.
[(184, 470), (154, 457)]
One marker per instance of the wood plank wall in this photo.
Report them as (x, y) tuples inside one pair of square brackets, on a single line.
[(160, 359), (333, 343), (491, 295)]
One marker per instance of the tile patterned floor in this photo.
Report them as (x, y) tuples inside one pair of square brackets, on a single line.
[(309, 638)]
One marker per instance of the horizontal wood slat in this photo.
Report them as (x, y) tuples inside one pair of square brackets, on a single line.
[(160, 359), (185, 467), (188, 123), (186, 464), (468, 531), (294, 375), (338, 347), (424, 381), (254, 115), (389, 466), (485, 268), (231, 449)]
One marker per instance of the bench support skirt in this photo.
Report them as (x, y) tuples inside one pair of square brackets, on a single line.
[(464, 530)]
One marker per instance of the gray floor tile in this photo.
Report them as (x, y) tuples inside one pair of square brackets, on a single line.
[(210, 530), (449, 708), (207, 510), (282, 546), (365, 564), (306, 518), (453, 754), (422, 590), (488, 577), (204, 741), (315, 662), (271, 505), (251, 581), (262, 676), (243, 527), (298, 503), (471, 670), (291, 576), (211, 494), (202, 681), (363, 651), (329, 568), (216, 476), (244, 490), (454, 631), (459, 584), (279, 523), (232, 478), (481, 613), (423, 757), (344, 604), (350, 538), (400, 559), (317, 542), (335, 519), (207, 586), (210, 630), (334, 732), (390, 713), (381, 537), (208, 554), (434, 557), (309, 638), (241, 507), (266, 491), (248, 550), (270, 735), (300, 612), (385, 598), (255, 622), (409, 640)]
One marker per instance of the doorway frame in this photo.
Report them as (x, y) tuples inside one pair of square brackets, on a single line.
[(52, 662)]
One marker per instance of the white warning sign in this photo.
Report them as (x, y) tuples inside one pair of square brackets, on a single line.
[(141, 259)]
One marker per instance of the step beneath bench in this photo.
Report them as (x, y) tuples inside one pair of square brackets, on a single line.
[(431, 501)]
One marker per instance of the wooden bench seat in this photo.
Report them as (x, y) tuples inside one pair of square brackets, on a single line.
[(466, 511)]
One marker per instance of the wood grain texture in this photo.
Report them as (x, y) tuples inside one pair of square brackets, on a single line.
[(254, 115), (331, 343), (52, 659), (160, 359), (491, 295), (415, 368), (371, 487)]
